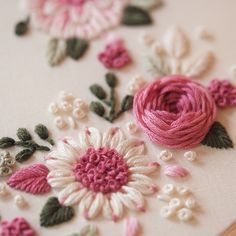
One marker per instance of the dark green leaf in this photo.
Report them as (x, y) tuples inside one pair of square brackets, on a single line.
[(43, 148), (6, 142), (24, 155), (76, 48), (135, 16), (98, 91), (218, 137), (127, 103), (54, 213), (111, 80), (23, 134), (97, 108), (42, 131), (22, 27)]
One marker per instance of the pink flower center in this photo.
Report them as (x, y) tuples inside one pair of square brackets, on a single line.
[(102, 170)]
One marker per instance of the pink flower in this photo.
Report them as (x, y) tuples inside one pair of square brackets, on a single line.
[(223, 92), (115, 55), (75, 18), (17, 227)]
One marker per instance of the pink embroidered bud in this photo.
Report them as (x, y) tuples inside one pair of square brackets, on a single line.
[(175, 171)]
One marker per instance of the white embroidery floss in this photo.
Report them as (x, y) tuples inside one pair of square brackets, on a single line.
[(132, 226)]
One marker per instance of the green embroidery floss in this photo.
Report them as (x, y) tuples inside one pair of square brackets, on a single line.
[(54, 213), (22, 27), (42, 131), (76, 47)]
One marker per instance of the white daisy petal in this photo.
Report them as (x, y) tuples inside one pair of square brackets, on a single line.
[(94, 137), (58, 164), (112, 138), (127, 201), (143, 169), (60, 182), (96, 206), (69, 189), (132, 147), (138, 160), (107, 211), (60, 173), (136, 196), (117, 207), (83, 141), (141, 178), (143, 188), (75, 197), (85, 204)]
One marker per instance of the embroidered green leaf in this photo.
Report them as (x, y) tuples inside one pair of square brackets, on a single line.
[(24, 155), (147, 4), (42, 131), (97, 108), (88, 230), (56, 51), (23, 134), (127, 103), (22, 27), (135, 16), (76, 47), (6, 142), (111, 80), (54, 213), (218, 137), (98, 91)]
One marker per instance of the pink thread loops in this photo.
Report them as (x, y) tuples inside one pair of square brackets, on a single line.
[(175, 112)]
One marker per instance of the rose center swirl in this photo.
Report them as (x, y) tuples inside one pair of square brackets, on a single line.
[(102, 170)]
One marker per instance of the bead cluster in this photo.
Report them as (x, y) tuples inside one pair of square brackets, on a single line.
[(6, 164), (136, 83), (181, 203), (68, 110)]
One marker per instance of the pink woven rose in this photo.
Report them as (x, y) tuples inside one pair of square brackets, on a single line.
[(17, 227), (223, 92), (115, 55), (175, 112), (75, 18)]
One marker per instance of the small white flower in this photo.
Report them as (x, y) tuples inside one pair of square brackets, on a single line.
[(66, 97), (184, 214), (166, 212), (166, 155), (79, 103), (79, 113), (131, 127), (190, 203), (66, 106), (60, 122), (190, 155), (20, 201), (53, 108), (175, 203), (146, 39), (182, 190), (168, 189)]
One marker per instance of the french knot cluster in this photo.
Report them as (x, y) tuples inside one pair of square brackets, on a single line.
[(175, 112)]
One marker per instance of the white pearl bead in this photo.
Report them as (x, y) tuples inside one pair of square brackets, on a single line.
[(131, 127), (184, 214), (79, 103), (3, 190), (136, 83), (190, 203), (190, 155), (164, 198), (79, 114), (175, 203), (20, 201), (60, 122), (147, 39), (183, 191), (53, 108), (65, 96), (165, 155), (168, 189), (66, 106), (166, 212)]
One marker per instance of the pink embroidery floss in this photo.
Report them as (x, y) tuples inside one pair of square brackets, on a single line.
[(31, 179), (175, 171), (132, 227), (175, 112), (17, 227), (223, 92), (115, 55)]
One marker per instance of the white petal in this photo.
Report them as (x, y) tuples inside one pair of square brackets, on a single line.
[(75, 197), (143, 169), (117, 207), (127, 201), (68, 190), (96, 206), (135, 195), (143, 188), (94, 137), (60, 182), (85, 203), (112, 138), (58, 164), (132, 147), (107, 211), (141, 178), (63, 172), (83, 141), (138, 160)]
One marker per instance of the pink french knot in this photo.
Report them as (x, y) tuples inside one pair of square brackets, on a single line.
[(17, 227), (31, 179), (115, 55), (175, 112), (175, 171), (223, 92), (132, 227)]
